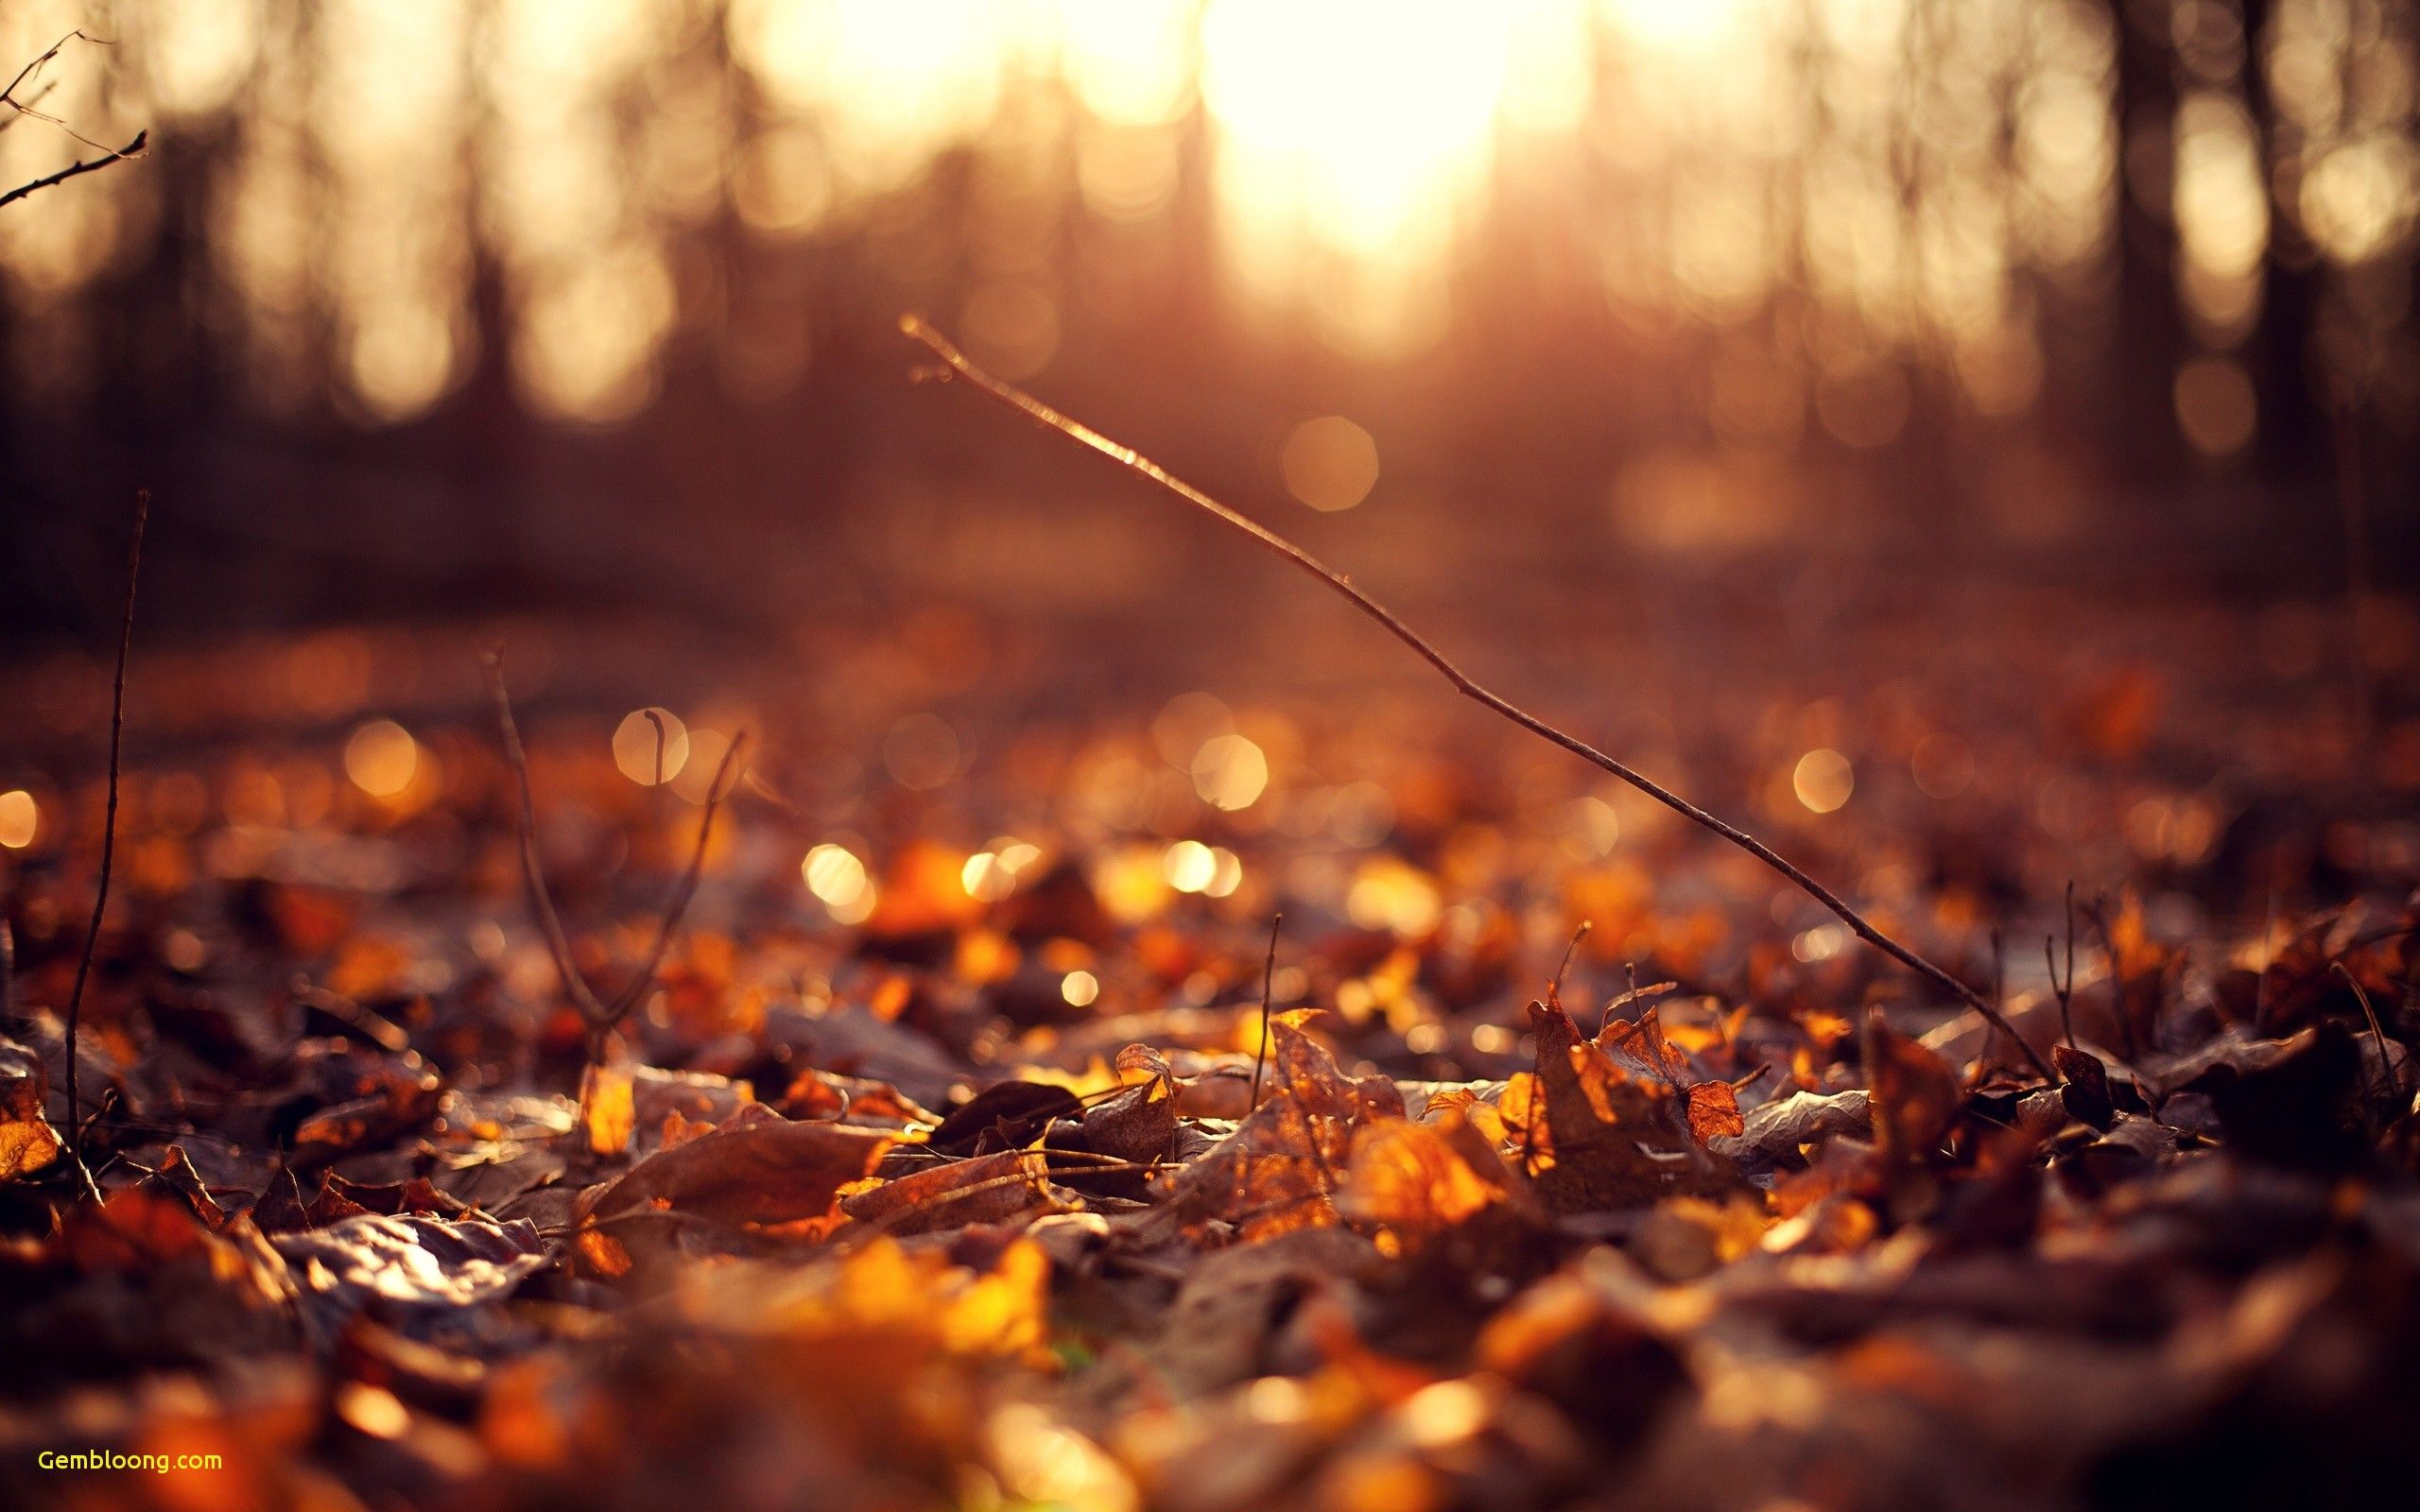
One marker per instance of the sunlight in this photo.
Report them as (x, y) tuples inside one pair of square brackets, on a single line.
[(1351, 131)]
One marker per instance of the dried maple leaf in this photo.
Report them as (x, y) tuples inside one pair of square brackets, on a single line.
[(1415, 1181), (1714, 1112), (1279, 1170), (1617, 1141)]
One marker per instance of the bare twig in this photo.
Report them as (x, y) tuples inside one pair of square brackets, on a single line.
[(108, 832), (655, 717), (23, 110), (601, 1016), (18, 108), (2064, 991), (2377, 1035), (678, 907), (533, 877), (132, 150), (1034, 409), (8, 95), (1267, 988), (1568, 952)]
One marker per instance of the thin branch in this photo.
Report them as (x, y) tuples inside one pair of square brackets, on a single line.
[(533, 878), (1034, 409), (601, 1016), (2377, 1035), (2065, 992), (1555, 986), (655, 717), (1267, 986), (36, 66), (132, 150), (22, 109), (108, 835), (679, 908)]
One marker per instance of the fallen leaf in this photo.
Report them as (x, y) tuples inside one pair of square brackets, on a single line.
[(761, 1168)]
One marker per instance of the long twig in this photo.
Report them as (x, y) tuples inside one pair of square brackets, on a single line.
[(1034, 409), (2377, 1035), (27, 108), (1267, 986), (1555, 983), (533, 877), (602, 1016), (678, 907), (8, 95), (2064, 991), (108, 832), (132, 150)]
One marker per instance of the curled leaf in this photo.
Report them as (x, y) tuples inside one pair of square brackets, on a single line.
[(759, 1168)]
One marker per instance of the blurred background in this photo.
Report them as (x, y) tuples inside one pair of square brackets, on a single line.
[(420, 308)]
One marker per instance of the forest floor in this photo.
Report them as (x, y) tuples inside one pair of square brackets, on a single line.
[(972, 1146)]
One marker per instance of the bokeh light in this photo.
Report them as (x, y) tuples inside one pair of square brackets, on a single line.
[(20, 818), (1823, 780), (650, 746), (382, 758), (1330, 463), (838, 879)]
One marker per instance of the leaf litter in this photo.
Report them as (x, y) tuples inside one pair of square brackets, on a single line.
[(865, 1207)]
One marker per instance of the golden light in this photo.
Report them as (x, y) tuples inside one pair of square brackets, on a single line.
[(1330, 463), (382, 758), (1820, 943), (1662, 28), (1350, 143), (891, 83), (1823, 780), (838, 881), (650, 746), (1130, 61), (1389, 894), (695, 780), (20, 818), (986, 878), (2361, 199), (1230, 772), (1130, 881), (1189, 865), (990, 874), (1226, 873), (1080, 988)]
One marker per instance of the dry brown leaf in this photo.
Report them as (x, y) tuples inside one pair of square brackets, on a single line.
[(988, 1189), (760, 1168)]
